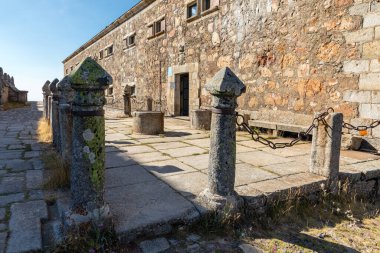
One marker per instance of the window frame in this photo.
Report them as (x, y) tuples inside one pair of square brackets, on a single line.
[(158, 23), (110, 50), (189, 11)]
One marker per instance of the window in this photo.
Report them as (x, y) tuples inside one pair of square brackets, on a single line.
[(71, 68), (206, 5), (109, 50), (67, 71), (156, 28), (130, 41), (101, 54), (110, 91), (192, 10)]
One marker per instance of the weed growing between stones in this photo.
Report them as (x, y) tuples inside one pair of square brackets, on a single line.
[(90, 237), (44, 131), (58, 171)]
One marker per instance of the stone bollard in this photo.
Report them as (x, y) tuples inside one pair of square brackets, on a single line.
[(325, 152), (65, 118), (127, 104), (200, 119), (89, 81), (54, 117), (149, 123), (46, 93), (225, 88)]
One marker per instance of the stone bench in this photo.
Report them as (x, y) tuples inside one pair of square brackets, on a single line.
[(277, 126), (148, 122)]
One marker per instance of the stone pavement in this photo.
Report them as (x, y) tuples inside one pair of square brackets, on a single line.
[(22, 208), (152, 181)]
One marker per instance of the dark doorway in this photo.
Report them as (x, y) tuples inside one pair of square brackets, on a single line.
[(184, 94)]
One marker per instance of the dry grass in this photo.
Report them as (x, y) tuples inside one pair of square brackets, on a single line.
[(14, 105), (57, 170), (45, 134)]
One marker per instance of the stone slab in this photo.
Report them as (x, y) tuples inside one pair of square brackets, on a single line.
[(199, 162), (189, 185), (260, 158), (11, 185), (11, 198), (142, 206), (118, 159), (34, 179), (154, 246), (137, 149), (149, 157), (169, 145), (25, 226), (168, 168), (123, 176)]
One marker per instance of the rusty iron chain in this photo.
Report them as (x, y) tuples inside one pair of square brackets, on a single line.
[(361, 128), (321, 118)]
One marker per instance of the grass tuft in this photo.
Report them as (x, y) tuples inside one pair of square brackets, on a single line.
[(58, 171), (44, 131)]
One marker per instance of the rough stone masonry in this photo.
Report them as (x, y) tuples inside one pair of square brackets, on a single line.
[(296, 57)]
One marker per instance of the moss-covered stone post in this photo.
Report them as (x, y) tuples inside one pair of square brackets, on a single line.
[(54, 118), (46, 93), (89, 81), (225, 88), (66, 95)]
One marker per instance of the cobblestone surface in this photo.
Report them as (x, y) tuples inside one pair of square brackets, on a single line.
[(20, 181)]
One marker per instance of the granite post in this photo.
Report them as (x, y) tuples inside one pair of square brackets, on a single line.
[(65, 118), (89, 81), (225, 88), (325, 152), (46, 93), (54, 117)]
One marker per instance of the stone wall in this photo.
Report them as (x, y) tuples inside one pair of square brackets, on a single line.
[(298, 57), (8, 90)]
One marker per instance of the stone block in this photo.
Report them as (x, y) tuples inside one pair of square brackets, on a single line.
[(371, 50), (375, 65), (154, 246), (356, 66), (360, 36), (200, 119), (150, 123), (375, 97), (34, 179), (357, 96), (371, 19), (359, 9), (25, 226), (369, 111), (377, 32), (369, 81)]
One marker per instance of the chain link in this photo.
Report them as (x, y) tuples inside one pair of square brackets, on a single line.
[(361, 128), (320, 119)]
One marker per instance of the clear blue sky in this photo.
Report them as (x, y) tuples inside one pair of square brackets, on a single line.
[(36, 35)]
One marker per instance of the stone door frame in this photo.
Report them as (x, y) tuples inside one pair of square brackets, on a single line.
[(173, 91)]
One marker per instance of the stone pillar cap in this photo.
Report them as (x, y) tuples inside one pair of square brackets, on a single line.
[(225, 84), (53, 85), (45, 88), (64, 85), (89, 75)]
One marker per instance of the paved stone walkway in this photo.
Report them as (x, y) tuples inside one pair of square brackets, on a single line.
[(22, 207), (152, 181)]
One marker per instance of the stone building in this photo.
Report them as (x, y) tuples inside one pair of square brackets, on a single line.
[(296, 57), (8, 90)]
